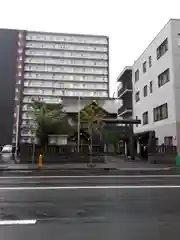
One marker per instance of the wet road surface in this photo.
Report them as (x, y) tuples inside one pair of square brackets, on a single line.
[(102, 207)]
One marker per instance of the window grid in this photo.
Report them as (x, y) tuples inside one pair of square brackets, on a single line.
[(151, 87), (137, 75), (162, 49), (145, 118), (150, 61), (145, 91), (137, 96), (160, 112), (163, 78), (144, 67)]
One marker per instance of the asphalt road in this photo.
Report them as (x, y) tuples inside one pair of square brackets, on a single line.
[(103, 207)]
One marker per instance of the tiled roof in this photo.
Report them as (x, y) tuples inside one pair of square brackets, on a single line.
[(109, 105)]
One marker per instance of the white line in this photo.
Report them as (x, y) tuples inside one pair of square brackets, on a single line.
[(14, 222), (91, 176), (91, 187)]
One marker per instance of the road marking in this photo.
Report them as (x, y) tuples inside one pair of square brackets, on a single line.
[(91, 176), (91, 187), (14, 222)]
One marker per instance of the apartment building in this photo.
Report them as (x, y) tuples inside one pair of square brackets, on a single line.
[(50, 67), (156, 87), (124, 92)]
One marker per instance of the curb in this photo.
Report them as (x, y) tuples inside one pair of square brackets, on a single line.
[(90, 169), (145, 169), (58, 169)]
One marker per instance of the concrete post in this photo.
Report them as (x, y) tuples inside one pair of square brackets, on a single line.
[(138, 147), (125, 148), (132, 152), (152, 147)]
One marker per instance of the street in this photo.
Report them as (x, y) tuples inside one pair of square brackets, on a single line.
[(89, 207)]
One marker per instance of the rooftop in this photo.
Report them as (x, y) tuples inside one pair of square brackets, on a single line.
[(124, 72)]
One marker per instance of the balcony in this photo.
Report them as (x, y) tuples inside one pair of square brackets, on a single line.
[(125, 75), (65, 77), (26, 116), (66, 39), (124, 110), (50, 100), (29, 125), (26, 133), (66, 62), (29, 139), (26, 139), (125, 89), (66, 47), (27, 108)]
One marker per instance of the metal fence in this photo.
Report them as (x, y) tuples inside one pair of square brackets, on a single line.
[(166, 150), (69, 153)]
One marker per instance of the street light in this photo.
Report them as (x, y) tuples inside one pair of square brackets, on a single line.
[(79, 99), (17, 129)]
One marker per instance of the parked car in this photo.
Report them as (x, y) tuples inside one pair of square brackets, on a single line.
[(7, 151)]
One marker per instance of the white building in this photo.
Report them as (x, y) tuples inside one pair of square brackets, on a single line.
[(51, 66), (66, 65), (156, 86)]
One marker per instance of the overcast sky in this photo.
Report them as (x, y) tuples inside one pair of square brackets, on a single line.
[(130, 25)]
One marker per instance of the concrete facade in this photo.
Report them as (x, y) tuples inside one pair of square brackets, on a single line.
[(8, 54), (168, 93)]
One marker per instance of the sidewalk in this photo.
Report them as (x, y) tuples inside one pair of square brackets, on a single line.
[(112, 163)]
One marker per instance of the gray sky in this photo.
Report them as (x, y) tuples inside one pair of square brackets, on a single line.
[(130, 25)]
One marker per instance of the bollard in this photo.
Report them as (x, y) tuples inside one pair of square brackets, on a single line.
[(40, 163)]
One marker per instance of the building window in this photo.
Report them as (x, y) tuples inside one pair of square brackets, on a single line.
[(145, 118), (145, 91), (151, 87), (162, 49), (150, 61), (144, 67), (160, 112), (137, 75), (137, 96), (163, 78), (168, 141)]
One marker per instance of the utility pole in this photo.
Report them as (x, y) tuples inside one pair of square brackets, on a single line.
[(17, 129), (33, 148), (79, 99)]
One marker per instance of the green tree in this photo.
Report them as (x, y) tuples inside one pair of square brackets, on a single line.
[(49, 118), (91, 118)]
